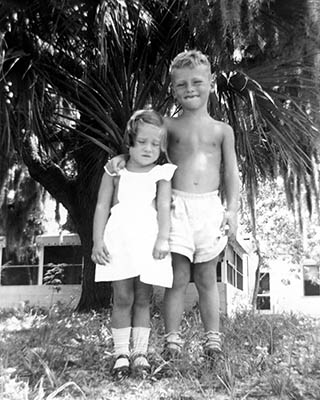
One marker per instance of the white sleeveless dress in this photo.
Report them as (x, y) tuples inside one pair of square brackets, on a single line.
[(132, 229)]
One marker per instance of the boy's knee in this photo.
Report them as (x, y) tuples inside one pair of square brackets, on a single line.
[(180, 283), (205, 281)]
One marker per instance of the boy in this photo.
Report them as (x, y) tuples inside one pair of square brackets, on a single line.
[(198, 145)]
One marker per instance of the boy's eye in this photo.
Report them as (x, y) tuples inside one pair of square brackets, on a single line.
[(156, 144), (141, 141)]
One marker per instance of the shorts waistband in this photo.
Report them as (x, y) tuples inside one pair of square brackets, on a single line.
[(188, 195)]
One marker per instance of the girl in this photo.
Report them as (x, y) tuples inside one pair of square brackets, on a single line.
[(130, 248)]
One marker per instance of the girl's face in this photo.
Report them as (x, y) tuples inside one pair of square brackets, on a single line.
[(146, 150)]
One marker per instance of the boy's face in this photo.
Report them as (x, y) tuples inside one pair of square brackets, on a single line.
[(146, 149), (191, 86)]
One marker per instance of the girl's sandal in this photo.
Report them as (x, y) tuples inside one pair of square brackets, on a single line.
[(140, 366), (121, 372)]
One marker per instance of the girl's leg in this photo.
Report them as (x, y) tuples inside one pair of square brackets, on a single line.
[(141, 304), (141, 329), (123, 296)]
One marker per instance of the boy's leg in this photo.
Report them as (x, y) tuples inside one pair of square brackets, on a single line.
[(141, 329), (174, 301), (205, 277), (123, 292)]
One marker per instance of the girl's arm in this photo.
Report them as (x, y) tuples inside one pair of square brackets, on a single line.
[(100, 254), (161, 246)]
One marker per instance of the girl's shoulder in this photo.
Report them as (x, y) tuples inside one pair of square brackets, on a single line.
[(164, 171)]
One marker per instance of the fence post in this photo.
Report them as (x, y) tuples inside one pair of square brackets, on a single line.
[(40, 269), (2, 245)]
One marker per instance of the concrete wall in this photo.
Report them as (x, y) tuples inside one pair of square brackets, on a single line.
[(42, 296)]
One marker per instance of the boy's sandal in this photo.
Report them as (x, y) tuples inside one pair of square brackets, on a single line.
[(140, 365), (173, 346), (123, 371), (212, 347)]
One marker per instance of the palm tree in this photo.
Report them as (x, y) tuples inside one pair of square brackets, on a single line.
[(76, 73), (79, 69)]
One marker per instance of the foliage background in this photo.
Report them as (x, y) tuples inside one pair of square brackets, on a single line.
[(73, 71)]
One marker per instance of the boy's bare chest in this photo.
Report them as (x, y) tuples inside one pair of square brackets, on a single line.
[(194, 139)]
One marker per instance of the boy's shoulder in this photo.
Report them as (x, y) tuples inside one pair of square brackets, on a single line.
[(221, 126)]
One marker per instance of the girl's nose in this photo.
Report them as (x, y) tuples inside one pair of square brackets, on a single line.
[(148, 147)]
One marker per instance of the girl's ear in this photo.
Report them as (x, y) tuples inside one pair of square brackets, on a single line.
[(212, 82)]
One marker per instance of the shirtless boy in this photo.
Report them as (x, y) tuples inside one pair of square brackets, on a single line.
[(198, 145)]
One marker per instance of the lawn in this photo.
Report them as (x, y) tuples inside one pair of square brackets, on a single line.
[(60, 354)]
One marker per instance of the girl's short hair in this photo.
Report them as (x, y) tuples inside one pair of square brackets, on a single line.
[(151, 117), (191, 59)]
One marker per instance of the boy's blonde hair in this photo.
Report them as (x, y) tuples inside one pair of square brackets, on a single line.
[(190, 59), (151, 117)]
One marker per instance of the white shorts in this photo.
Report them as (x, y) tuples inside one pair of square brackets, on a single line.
[(195, 225)]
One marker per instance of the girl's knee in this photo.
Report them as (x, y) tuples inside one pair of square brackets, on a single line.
[(142, 300), (123, 299)]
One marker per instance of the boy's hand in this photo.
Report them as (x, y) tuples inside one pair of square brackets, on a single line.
[(116, 164), (100, 254), (229, 225), (161, 249)]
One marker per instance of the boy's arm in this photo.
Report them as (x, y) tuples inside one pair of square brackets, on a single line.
[(100, 254), (231, 181), (161, 247), (116, 164)]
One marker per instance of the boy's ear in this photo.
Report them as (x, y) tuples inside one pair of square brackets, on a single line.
[(172, 91)]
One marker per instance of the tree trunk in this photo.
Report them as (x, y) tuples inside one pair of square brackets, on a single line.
[(79, 198), (257, 275), (93, 295)]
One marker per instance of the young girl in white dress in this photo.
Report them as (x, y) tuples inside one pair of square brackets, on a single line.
[(130, 238)]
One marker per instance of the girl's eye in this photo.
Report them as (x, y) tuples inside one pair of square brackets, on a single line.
[(141, 141), (156, 144)]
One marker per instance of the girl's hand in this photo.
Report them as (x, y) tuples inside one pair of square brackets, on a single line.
[(161, 249), (116, 164), (100, 254)]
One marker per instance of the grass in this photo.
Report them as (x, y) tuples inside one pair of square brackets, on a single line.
[(59, 354)]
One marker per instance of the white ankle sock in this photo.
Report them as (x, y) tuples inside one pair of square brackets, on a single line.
[(140, 341), (121, 340)]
